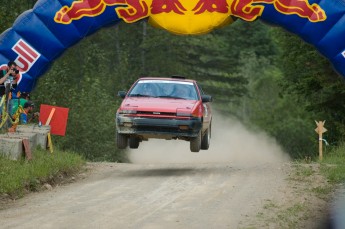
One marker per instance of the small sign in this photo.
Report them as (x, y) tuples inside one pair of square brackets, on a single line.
[(320, 127)]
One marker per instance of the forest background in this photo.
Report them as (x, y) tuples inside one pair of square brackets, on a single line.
[(265, 77)]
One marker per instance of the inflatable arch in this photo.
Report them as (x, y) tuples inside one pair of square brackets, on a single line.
[(40, 35)]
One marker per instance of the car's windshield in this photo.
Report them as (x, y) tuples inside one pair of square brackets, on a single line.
[(164, 89)]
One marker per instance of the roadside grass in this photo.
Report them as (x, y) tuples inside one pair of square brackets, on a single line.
[(302, 171), (333, 164), (323, 192), (270, 205), (313, 183), (17, 177), (291, 216), (332, 167)]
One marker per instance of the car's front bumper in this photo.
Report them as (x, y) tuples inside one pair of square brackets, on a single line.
[(158, 127)]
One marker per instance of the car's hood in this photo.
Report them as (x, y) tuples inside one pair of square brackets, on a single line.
[(157, 104)]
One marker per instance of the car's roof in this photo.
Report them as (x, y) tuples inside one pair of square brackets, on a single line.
[(167, 78)]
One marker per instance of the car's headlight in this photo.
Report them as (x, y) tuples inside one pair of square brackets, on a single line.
[(183, 114), (127, 112)]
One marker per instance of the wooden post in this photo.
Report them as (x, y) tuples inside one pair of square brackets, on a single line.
[(50, 116), (320, 129), (27, 149), (320, 146), (50, 143)]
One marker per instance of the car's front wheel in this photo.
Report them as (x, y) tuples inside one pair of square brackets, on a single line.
[(205, 142), (121, 140), (195, 143), (133, 142)]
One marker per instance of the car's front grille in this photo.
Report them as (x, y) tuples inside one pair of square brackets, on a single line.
[(166, 129), (163, 130), (156, 113)]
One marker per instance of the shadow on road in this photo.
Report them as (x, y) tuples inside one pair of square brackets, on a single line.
[(176, 172)]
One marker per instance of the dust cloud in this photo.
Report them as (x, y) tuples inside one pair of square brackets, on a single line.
[(231, 142)]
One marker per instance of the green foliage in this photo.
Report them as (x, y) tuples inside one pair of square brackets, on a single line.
[(18, 176), (82, 84), (11, 9), (266, 107), (311, 77)]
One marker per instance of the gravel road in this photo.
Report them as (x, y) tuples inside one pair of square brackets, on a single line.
[(152, 196), (166, 186)]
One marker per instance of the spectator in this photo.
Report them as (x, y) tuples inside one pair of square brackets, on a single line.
[(8, 81), (15, 103), (8, 76), (27, 110)]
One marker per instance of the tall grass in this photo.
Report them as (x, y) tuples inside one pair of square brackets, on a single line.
[(18, 176), (333, 164)]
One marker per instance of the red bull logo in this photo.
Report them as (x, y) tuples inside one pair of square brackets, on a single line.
[(27, 57), (188, 16)]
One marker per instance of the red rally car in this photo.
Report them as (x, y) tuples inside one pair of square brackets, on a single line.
[(164, 108)]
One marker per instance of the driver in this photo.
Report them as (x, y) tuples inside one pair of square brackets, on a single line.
[(148, 90), (181, 91)]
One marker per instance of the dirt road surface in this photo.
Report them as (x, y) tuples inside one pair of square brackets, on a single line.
[(167, 186), (151, 196)]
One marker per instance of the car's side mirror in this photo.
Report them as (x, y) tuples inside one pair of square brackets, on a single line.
[(206, 98), (122, 94)]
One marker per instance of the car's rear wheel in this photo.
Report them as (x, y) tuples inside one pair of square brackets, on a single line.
[(205, 142), (121, 140), (195, 143), (133, 142)]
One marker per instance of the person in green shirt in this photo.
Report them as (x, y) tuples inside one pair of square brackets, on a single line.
[(23, 98)]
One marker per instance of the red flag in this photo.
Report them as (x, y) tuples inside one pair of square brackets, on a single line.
[(58, 122)]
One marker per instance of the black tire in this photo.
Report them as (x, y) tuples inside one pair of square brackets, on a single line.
[(205, 141), (133, 142), (195, 143), (121, 141)]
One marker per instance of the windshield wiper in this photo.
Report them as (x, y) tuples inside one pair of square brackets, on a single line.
[(139, 95), (170, 97), (164, 96)]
